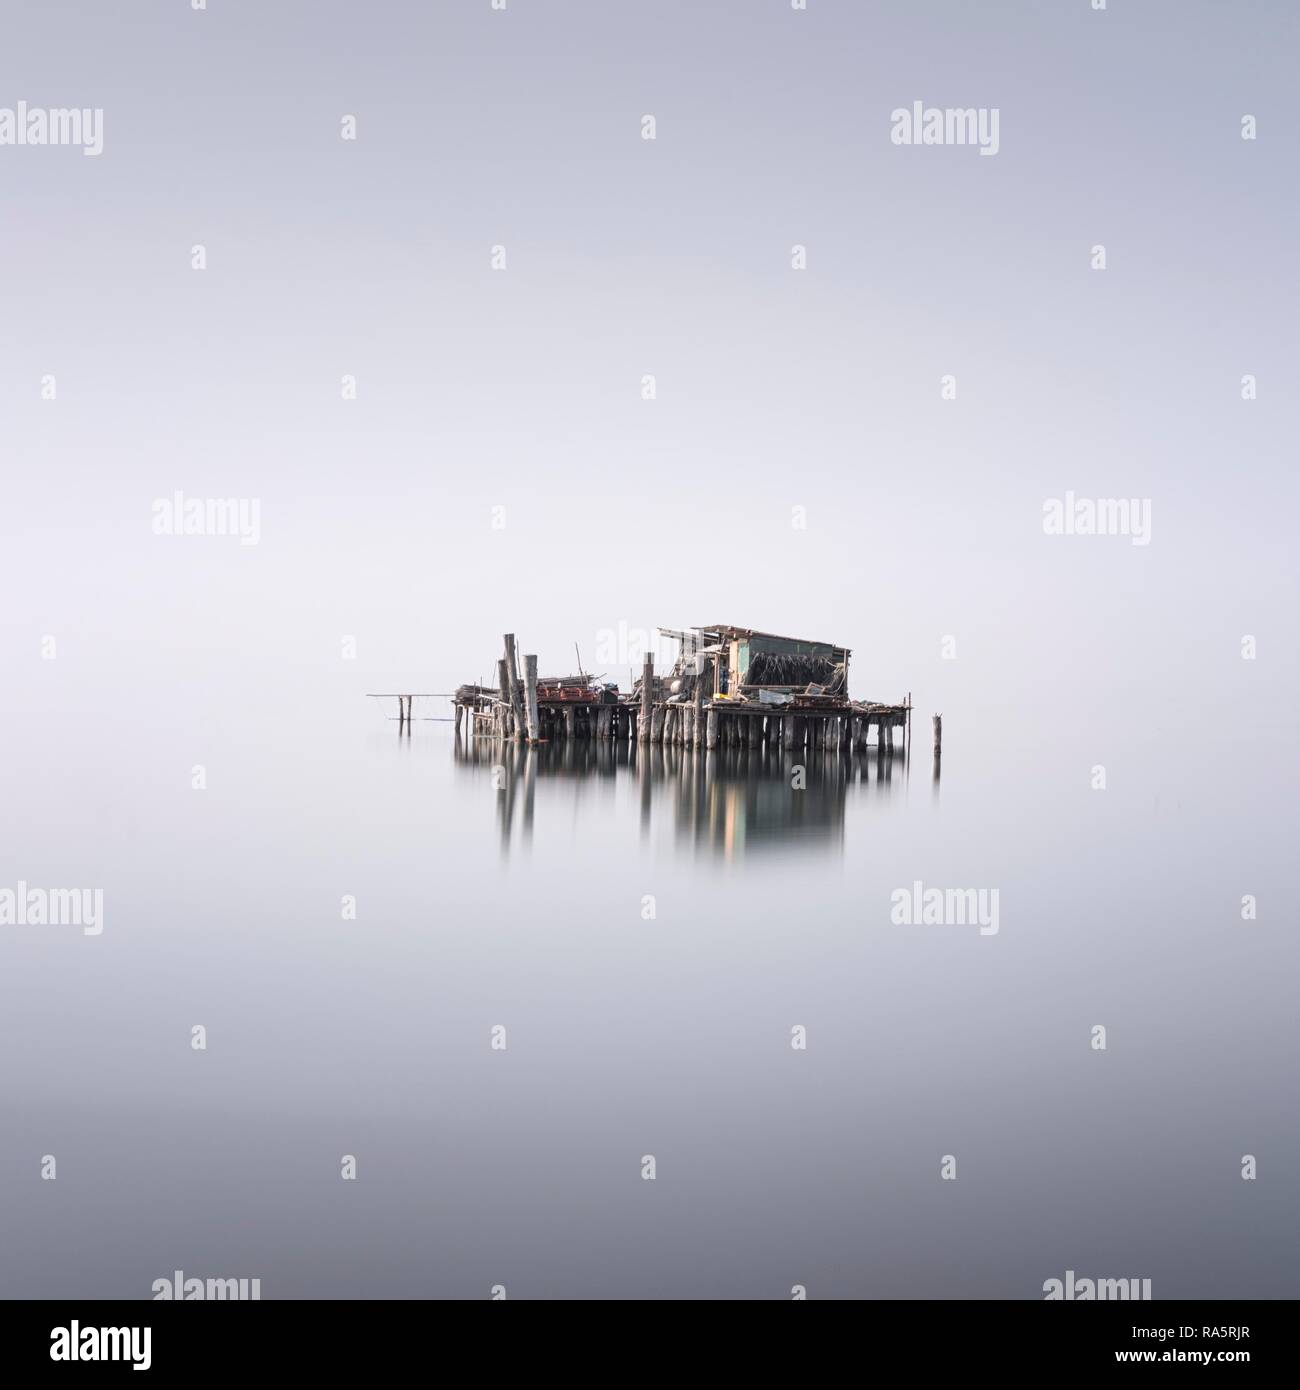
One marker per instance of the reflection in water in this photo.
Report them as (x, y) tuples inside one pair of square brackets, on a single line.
[(728, 801)]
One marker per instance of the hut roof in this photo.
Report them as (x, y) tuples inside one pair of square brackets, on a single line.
[(729, 630)]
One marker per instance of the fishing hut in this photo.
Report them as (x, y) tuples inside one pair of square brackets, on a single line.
[(728, 687)]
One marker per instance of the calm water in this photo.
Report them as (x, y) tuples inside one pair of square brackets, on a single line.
[(523, 905)]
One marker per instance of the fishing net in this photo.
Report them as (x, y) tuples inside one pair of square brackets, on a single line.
[(780, 668)]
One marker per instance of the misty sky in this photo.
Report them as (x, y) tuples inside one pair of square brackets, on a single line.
[(522, 388)]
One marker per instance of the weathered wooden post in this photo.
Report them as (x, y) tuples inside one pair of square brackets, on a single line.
[(702, 681), (711, 732), (460, 710), (647, 698), (657, 724), (530, 685), (570, 722), (512, 671), (503, 676), (938, 738)]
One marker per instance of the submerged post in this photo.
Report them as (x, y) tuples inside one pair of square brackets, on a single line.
[(530, 682)]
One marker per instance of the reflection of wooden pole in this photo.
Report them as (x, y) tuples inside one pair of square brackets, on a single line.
[(512, 669), (530, 683)]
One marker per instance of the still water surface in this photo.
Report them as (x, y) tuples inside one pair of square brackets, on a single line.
[(519, 898)]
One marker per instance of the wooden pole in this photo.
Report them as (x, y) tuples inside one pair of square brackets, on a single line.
[(701, 681), (647, 697), (530, 684), (512, 669), (503, 676)]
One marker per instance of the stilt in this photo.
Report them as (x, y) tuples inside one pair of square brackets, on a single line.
[(513, 693), (703, 689), (647, 698), (530, 691), (711, 733), (503, 681)]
